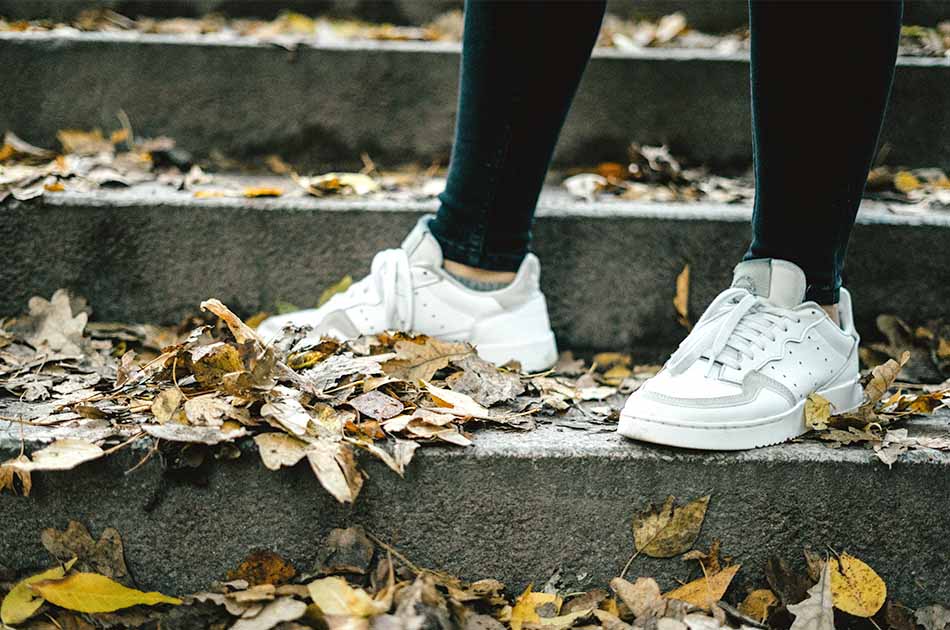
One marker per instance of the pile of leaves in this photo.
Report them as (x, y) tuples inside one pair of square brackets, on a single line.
[(290, 29), (88, 160), (360, 582), (301, 398), (654, 174)]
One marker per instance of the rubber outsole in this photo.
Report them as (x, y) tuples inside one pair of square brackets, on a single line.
[(754, 433)]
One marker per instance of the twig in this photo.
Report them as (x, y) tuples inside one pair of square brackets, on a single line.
[(390, 549), (626, 567), (135, 437)]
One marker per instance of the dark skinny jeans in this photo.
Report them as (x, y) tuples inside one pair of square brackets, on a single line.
[(821, 76)]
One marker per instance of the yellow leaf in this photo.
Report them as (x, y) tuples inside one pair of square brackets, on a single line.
[(210, 194), (8, 473), (530, 605), (94, 593), (669, 531), (855, 587), (334, 596), (707, 590), (817, 412), (681, 299), (21, 602), (905, 182), (263, 192), (758, 604), (339, 287)]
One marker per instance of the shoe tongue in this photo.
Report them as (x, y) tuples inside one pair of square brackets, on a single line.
[(780, 282), (421, 246)]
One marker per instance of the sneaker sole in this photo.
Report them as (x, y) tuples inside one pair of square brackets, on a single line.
[(536, 355), (738, 437)]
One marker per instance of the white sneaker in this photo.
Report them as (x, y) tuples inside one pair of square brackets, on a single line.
[(409, 290), (741, 377)]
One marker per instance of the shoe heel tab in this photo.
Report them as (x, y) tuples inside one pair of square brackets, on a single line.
[(525, 286), (845, 310)]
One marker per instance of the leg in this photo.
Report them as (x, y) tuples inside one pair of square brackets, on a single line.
[(453, 277), (816, 107), (521, 64), (742, 377)]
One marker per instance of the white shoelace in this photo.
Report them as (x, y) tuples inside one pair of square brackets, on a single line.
[(749, 321)]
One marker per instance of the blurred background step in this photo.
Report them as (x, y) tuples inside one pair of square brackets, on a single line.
[(720, 16), (322, 106), (150, 253)]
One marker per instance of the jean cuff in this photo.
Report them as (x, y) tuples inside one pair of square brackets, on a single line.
[(471, 252), (823, 293)]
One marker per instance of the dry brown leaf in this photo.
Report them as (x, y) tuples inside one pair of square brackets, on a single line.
[(815, 612), (335, 467), (279, 449), (883, 376), (642, 597), (263, 567), (669, 531), (105, 556), (63, 454), (9, 475), (417, 361)]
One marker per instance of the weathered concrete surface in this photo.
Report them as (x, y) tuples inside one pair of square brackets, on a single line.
[(152, 254), (513, 507), (323, 106)]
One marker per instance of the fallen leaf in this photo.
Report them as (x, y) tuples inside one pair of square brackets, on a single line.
[(681, 298), (337, 184), (758, 604), (485, 383), (531, 606), (8, 475), (669, 531), (335, 467), (335, 597), (345, 551), (54, 325), (377, 405), (790, 586), (253, 192), (263, 567), (279, 449), (339, 287), (456, 403), (815, 612), (21, 602), (105, 556), (905, 182), (197, 435), (933, 617), (817, 412), (642, 597), (63, 454), (855, 587), (93, 593), (273, 614), (241, 331), (707, 590), (166, 404), (883, 376), (420, 361)]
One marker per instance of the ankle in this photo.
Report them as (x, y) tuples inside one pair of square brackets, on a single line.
[(477, 274), (832, 311)]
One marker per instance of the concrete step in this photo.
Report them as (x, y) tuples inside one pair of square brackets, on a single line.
[(322, 105), (515, 507), (721, 16), (152, 254)]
